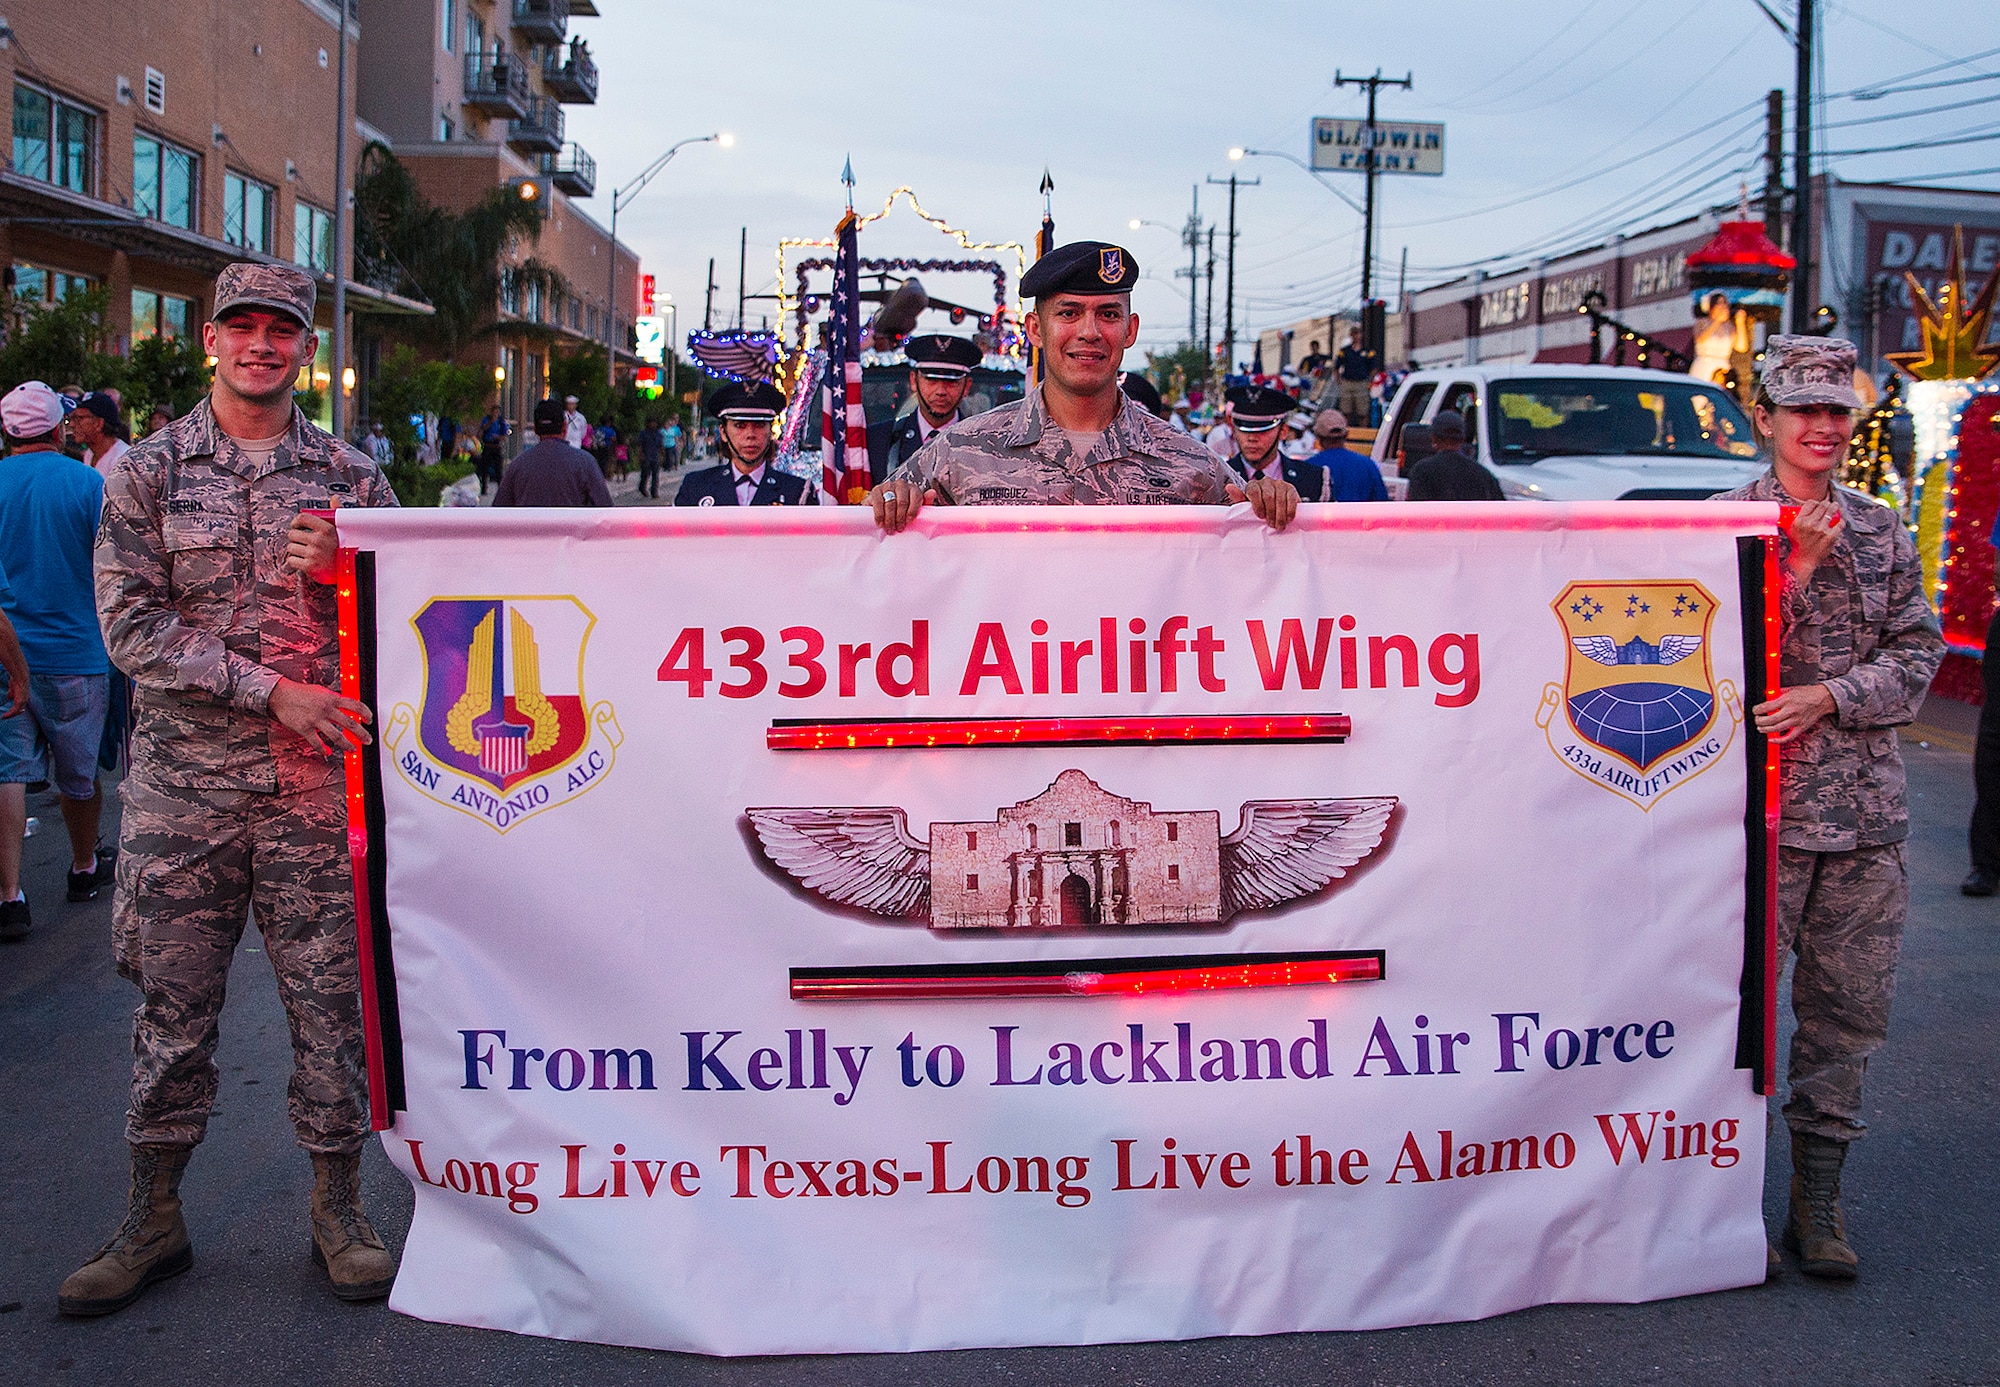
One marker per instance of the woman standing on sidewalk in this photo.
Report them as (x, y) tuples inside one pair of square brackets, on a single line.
[(1860, 647)]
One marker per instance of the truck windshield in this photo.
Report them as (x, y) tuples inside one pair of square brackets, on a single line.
[(1584, 416)]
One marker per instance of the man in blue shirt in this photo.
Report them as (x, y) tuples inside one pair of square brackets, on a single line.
[(48, 525), (1355, 475)]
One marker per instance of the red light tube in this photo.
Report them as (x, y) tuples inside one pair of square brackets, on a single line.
[(855, 734), (1086, 977)]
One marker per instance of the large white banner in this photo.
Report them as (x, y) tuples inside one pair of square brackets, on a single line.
[(1061, 925)]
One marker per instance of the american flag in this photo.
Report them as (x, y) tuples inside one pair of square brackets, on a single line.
[(843, 425), (503, 749)]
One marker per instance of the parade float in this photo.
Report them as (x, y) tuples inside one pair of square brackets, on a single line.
[(1737, 285)]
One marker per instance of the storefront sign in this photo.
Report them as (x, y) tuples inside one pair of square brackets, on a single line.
[(1061, 925), (1401, 146)]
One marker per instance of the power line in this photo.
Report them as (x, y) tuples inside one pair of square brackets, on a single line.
[(1993, 133)]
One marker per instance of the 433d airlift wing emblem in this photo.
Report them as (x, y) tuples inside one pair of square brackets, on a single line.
[(1074, 856)]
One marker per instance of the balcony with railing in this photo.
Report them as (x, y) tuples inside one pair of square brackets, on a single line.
[(570, 75), (541, 21), (572, 170), (496, 82), (540, 130)]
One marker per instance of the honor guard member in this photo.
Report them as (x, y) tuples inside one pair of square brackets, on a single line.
[(1859, 648), (940, 375), (214, 575), (1075, 439), (1260, 412), (746, 478)]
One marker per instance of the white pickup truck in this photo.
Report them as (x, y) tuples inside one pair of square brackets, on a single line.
[(1584, 433)]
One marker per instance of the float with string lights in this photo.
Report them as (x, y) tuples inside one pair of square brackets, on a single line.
[(1956, 411), (735, 355)]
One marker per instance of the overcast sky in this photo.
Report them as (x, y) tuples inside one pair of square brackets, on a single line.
[(1129, 105)]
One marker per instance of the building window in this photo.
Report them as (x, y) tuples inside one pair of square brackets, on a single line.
[(54, 140), (590, 324), (160, 315), (1173, 832), (972, 842), (1072, 835), (446, 130), (972, 881), (575, 314), (1114, 834), (312, 237), (475, 34), (246, 212), (450, 23), (38, 285), (1173, 871), (164, 179), (1032, 835), (534, 297), (510, 292)]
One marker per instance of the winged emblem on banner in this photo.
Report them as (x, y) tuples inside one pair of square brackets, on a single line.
[(1074, 856)]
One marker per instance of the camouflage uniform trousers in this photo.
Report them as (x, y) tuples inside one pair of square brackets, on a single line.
[(1843, 912), (191, 864)]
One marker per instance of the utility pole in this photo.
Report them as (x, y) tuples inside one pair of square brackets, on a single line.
[(344, 195), (1374, 85), (1191, 238), (1774, 166), (1229, 275), (1208, 313), (742, 262), (1802, 216), (708, 308)]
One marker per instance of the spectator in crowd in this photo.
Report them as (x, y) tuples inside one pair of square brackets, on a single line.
[(95, 424), (1297, 443), (1221, 437), (1355, 477), (650, 451), (1354, 367), (1313, 365), (576, 428), (672, 438), (1179, 418), (234, 803), (1859, 648), (379, 447), (1136, 385), (49, 505), (552, 472), (157, 420), (604, 445), (493, 430), (1451, 474), (447, 433)]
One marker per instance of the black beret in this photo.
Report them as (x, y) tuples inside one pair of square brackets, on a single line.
[(1255, 408), (941, 355), (1081, 267), (1136, 385), (747, 400)]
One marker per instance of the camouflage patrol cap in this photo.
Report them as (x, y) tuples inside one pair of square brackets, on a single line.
[(1809, 371), (281, 288)]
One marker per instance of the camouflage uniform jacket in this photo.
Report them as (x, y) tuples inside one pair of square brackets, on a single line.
[(1014, 455), (1862, 628), (199, 609)]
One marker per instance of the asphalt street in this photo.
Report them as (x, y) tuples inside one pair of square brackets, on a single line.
[(1921, 1208)]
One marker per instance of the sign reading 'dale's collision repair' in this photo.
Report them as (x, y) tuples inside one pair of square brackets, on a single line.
[(1062, 925)]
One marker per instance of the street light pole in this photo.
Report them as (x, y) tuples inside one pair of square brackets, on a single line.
[(1229, 277), (1374, 85), (621, 198), (1802, 215), (344, 194)]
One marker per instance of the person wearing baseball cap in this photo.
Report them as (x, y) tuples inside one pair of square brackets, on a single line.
[(1860, 645), (940, 375), (49, 504), (1355, 476), (214, 570), (1260, 412), (95, 423), (749, 412), (1075, 438), (552, 471)]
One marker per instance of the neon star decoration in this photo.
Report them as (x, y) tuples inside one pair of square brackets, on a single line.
[(1954, 334)]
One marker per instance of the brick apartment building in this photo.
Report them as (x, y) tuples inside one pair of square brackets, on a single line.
[(149, 144), (470, 95), (148, 147)]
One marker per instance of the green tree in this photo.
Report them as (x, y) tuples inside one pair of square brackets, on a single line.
[(1188, 359), (458, 262), (408, 386), (58, 343), (172, 373)]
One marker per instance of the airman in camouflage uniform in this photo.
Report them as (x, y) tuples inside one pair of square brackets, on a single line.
[(1075, 439), (1861, 630), (227, 808)]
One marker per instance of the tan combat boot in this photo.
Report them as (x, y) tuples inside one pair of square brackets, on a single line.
[(151, 1246), (344, 1242), (1815, 1229)]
